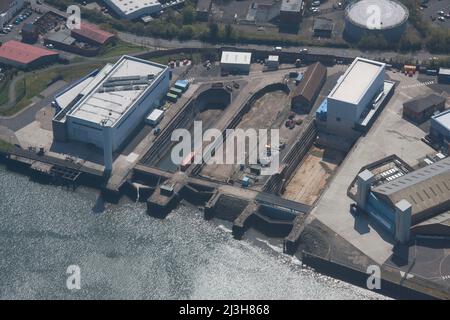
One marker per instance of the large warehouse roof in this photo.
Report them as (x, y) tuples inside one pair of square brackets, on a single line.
[(422, 103), (231, 57), (355, 82), (93, 33), (23, 53), (424, 188), (130, 6), (115, 89), (443, 119)]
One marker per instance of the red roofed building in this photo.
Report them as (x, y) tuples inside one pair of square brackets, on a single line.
[(92, 34), (25, 56)]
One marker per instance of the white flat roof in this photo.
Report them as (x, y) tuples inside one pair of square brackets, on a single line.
[(129, 6), (65, 98), (273, 58), (444, 71), (231, 57), (443, 119), (356, 80), (114, 90), (155, 114)]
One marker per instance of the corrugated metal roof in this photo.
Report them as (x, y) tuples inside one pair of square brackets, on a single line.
[(422, 103), (312, 79), (424, 188), (93, 33), (23, 53)]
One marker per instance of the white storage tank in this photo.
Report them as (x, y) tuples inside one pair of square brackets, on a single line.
[(385, 17)]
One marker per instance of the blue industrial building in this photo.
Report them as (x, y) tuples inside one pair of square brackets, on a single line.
[(397, 197), (440, 127)]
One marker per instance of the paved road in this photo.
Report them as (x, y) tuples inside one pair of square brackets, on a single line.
[(25, 117), (156, 43)]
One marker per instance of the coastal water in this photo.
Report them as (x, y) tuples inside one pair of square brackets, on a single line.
[(123, 253)]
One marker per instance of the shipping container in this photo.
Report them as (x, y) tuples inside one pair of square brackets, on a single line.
[(155, 117), (171, 97), (409, 68), (176, 91), (182, 85)]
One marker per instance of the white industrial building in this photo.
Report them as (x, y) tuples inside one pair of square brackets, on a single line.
[(8, 9), (440, 127), (354, 103), (235, 62), (117, 98), (134, 9), (353, 93)]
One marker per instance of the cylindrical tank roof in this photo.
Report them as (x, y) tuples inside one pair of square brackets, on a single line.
[(377, 14)]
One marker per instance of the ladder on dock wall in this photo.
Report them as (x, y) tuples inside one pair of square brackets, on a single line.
[(65, 176)]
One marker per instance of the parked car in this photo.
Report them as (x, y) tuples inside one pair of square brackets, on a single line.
[(315, 3)]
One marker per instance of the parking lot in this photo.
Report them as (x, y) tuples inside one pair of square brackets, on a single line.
[(14, 34), (430, 13)]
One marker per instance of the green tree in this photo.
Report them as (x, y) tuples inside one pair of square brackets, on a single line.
[(187, 32), (438, 40), (228, 31), (213, 30), (410, 42), (188, 15), (373, 42)]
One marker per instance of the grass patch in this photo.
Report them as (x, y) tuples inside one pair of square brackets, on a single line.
[(4, 87), (120, 48), (33, 84), (5, 146), (4, 97)]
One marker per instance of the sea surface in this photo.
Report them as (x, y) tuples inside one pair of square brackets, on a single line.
[(122, 253)]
